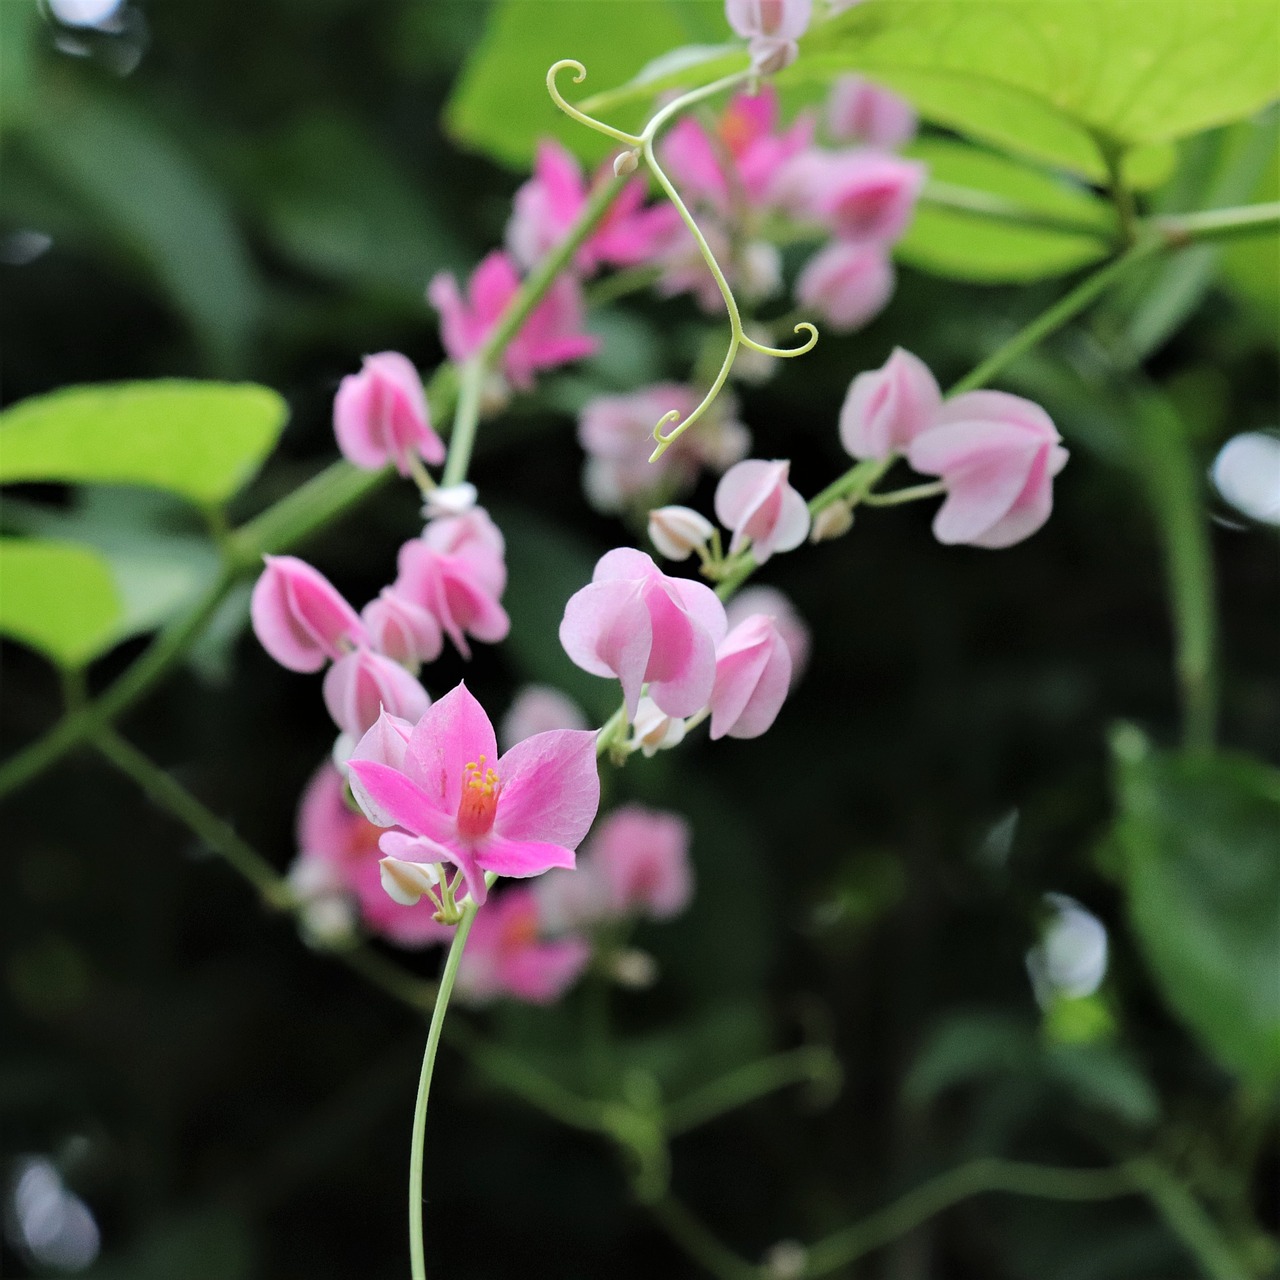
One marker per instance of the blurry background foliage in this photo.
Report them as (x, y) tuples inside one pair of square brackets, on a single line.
[(258, 196)]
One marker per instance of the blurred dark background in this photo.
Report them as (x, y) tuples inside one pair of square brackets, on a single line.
[(231, 1104)]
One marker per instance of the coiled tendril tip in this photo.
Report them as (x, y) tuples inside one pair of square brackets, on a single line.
[(579, 75)]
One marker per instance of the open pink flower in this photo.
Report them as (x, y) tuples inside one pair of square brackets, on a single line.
[(771, 28), (642, 856), (886, 408), (755, 500), (380, 415), (753, 674), (846, 283), (338, 854), (299, 617), (860, 111), (551, 336), (997, 455), (507, 955), (636, 624), (519, 816), (860, 194), (361, 685)]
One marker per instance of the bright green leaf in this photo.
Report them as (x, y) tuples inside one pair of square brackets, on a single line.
[(203, 440), (156, 205), (1199, 838), (972, 247), (57, 597)]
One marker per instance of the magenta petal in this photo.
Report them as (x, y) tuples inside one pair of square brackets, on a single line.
[(453, 733), (519, 859), (362, 684), (299, 617), (550, 788), (389, 799)]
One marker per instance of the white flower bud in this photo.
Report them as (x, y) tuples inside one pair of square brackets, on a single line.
[(787, 1260), (653, 730), (455, 500), (406, 882), (1246, 473), (634, 969), (678, 532), (831, 522), (625, 163)]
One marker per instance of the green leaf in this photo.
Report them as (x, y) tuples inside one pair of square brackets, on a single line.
[(1050, 78), (500, 105), (156, 206), (968, 246), (1199, 838), (57, 597), (202, 440), (19, 29)]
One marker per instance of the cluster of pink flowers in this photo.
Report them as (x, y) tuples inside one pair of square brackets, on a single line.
[(996, 454)]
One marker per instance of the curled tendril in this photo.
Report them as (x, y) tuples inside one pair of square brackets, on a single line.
[(579, 75), (643, 145)]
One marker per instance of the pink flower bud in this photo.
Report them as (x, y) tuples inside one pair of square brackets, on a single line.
[(859, 111), (846, 284), (474, 538), (886, 408), (300, 619), (860, 194), (772, 27), (678, 532), (636, 624), (360, 685), (756, 502), (538, 708), (401, 630), (380, 415), (753, 674), (642, 856), (771, 603), (997, 455)]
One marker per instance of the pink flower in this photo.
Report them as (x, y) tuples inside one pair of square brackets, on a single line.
[(773, 604), (361, 685), (860, 194), (753, 674), (617, 433), (771, 27), (886, 408), (506, 954), (380, 415), (756, 502), (642, 857), (550, 336), (859, 111), (547, 206), (299, 617), (997, 455), (520, 816), (338, 853), (638, 625), (403, 631), (457, 572), (538, 708), (846, 284)]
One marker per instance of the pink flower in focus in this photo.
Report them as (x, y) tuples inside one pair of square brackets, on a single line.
[(860, 111), (299, 617), (361, 685), (547, 206), (538, 708), (342, 846), (846, 284), (755, 500), (551, 335), (753, 674), (771, 28), (380, 415), (790, 625), (642, 857), (997, 455), (636, 624), (506, 954), (617, 434), (886, 408), (520, 816), (403, 631), (860, 194), (457, 572)]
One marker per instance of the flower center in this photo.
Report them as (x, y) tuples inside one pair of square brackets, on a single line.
[(479, 799)]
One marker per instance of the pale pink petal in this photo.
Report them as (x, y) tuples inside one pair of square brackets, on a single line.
[(773, 604), (859, 111), (606, 631), (753, 675), (325, 823), (846, 284), (361, 684), (886, 408), (643, 857), (1029, 512), (682, 660), (454, 732), (401, 629), (1001, 407), (386, 742), (299, 617), (623, 562), (951, 446), (980, 494), (550, 788), (702, 605), (691, 158)]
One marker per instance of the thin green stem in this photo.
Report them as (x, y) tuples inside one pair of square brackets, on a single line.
[(447, 979), (1118, 188), (989, 1174), (895, 497), (853, 486), (699, 1243), (1187, 1219), (812, 1064), (1050, 321), (1220, 224)]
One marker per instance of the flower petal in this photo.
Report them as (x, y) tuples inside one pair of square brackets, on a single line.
[(453, 733), (389, 799), (519, 859), (550, 788)]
